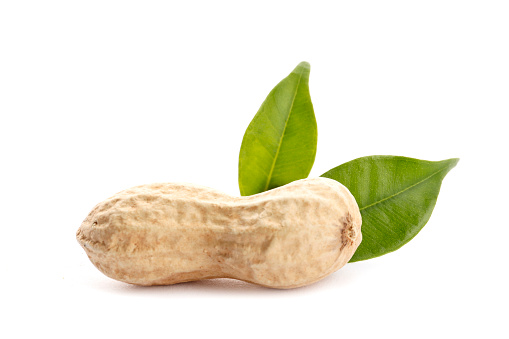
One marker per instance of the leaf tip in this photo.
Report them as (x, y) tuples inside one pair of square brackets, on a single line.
[(453, 162), (303, 66)]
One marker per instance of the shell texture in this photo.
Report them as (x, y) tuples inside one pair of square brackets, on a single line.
[(169, 233)]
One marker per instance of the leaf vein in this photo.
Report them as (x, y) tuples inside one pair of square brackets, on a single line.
[(400, 192), (269, 177)]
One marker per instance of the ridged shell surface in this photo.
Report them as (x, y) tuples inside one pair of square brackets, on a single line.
[(168, 233)]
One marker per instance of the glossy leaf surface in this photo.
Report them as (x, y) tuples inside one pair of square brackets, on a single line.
[(396, 196), (279, 145)]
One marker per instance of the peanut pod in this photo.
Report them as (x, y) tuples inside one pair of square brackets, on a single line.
[(168, 233)]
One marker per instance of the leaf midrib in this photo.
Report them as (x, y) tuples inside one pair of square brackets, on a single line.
[(269, 177), (400, 192)]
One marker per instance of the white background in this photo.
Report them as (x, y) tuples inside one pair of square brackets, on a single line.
[(99, 96)]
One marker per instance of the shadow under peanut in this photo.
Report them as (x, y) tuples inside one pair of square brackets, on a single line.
[(224, 287)]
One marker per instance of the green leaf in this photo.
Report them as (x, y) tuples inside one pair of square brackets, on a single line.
[(396, 196), (279, 145)]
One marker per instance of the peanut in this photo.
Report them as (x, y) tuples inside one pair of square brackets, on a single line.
[(162, 234)]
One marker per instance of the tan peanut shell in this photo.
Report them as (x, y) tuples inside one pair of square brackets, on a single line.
[(168, 233)]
